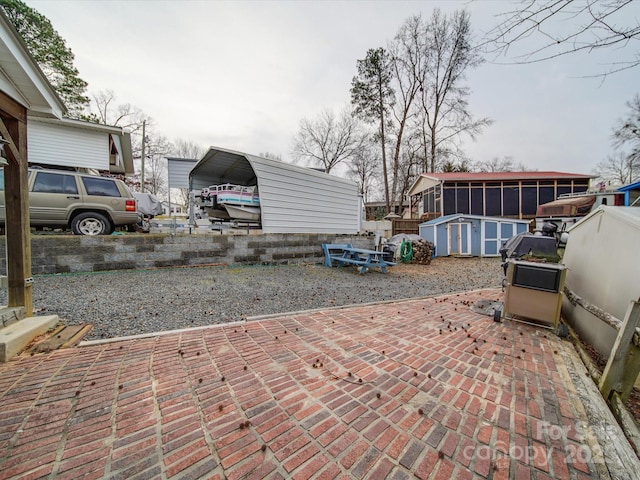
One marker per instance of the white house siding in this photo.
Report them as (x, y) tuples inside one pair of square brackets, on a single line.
[(53, 144)]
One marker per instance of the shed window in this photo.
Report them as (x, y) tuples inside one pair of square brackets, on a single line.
[(491, 230)]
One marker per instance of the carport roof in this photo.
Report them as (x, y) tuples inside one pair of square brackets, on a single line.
[(229, 167)]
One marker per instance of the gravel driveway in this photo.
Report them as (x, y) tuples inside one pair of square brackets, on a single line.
[(129, 302)]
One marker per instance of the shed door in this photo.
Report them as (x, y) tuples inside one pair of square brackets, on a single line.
[(459, 239)]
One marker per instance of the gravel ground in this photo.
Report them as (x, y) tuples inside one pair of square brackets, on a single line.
[(122, 303)]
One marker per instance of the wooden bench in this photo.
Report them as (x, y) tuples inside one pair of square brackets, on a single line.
[(329, 248)]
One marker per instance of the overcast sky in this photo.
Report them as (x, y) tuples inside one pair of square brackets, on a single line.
[(241, 75)]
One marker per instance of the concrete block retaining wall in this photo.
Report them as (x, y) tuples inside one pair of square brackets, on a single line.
[(69, 253)]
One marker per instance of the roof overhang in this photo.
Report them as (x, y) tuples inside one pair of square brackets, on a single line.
[(462, 217), (422, 183), (71, 123), (21, 78)]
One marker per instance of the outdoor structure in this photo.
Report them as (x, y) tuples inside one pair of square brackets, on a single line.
[(178, 171), (603, 260), (473, 235), (84, 145), (631, 194), (293, 199), (25, 93), (178, 177), (502, 194), (378, 210)]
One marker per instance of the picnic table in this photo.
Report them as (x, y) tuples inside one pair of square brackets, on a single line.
[(346, 254)]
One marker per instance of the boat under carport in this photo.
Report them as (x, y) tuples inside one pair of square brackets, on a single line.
[(293, 199)]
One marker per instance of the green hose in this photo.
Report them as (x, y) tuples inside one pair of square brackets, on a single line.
[(406, 252)]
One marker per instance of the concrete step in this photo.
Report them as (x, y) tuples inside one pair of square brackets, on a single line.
[(16, 336)]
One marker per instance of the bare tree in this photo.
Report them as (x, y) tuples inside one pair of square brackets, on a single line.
[(270, 156), (105, 109), (619, 168), (565, 27), (445, 110), (504, 164), (328, 140), (187, 149), (626, 132), (408, 67), (364, 169), (155, 165)]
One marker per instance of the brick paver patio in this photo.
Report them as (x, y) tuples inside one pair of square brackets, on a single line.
[(415, 389)]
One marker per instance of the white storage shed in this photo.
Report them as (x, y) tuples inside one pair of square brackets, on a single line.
[(293, 199), (602, 257)]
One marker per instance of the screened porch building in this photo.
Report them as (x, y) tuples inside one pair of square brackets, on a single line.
[(497, 194)]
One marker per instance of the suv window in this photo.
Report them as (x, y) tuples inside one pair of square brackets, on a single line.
[(104, 187), (55, 183)]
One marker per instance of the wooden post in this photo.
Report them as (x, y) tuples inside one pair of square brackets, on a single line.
[(624, 360), (13, 126)]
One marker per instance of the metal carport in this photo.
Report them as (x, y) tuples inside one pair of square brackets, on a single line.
[(293, 199)]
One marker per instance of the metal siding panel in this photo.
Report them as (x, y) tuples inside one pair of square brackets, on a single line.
[(296, 200), (65, 146), (178, 172)]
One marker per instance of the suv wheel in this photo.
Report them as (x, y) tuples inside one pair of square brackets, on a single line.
[(91, 224)]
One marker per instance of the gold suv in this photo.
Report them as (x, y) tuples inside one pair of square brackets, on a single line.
[(87, 204)]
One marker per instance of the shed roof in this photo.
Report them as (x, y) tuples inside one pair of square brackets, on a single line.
[(456, 216), (629, 187), (293, 199)]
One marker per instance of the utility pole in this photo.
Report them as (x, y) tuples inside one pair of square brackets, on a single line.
[(144, 124)]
